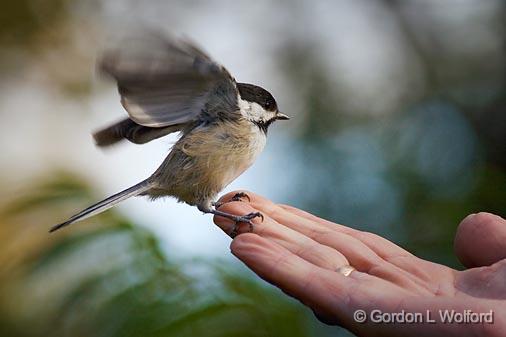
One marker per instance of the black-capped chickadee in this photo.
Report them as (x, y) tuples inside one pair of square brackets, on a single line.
[(170, 85)]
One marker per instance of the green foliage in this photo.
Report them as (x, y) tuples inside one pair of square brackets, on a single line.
[(116, 281)]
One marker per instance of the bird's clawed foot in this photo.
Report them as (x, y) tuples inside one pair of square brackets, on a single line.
[(235, 218), (239, 219), (237, 197), (247, 219)]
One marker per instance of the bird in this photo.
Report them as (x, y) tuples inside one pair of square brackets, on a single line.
[(168, 84)]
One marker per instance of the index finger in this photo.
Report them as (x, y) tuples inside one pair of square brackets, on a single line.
[(284, 214)]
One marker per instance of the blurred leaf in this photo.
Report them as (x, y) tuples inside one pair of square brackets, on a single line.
[(60, 187), (116, 281)]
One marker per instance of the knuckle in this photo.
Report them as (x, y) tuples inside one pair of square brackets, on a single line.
[(317, 233)]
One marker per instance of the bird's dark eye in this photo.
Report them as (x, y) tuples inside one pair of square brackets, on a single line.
[(269, 105)]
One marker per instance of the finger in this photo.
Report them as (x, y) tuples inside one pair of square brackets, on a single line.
[(481, 240), (394, 268), (385, 249), (358, 254), (331, 251), (298, 244), (252, 198), (376, 255), (332, 296), (326, 292), (323, 222), (381, 246)]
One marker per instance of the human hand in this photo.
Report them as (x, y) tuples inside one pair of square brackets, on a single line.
[(301, 253)]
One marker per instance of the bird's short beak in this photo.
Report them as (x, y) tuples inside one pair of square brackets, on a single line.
[(282, 117)]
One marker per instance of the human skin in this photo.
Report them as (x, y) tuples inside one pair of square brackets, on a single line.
[(300, 253)]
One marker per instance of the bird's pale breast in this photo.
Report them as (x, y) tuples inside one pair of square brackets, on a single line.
[(209, 158)]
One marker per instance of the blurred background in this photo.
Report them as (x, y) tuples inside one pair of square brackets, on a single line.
[(399, 128)]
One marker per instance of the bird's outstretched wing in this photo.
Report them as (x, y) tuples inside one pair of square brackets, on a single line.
[(166, 81)]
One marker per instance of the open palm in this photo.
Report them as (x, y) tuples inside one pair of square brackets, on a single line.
[(300, 253)]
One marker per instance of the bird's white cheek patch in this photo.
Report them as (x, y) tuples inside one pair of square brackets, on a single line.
[(253, 111)]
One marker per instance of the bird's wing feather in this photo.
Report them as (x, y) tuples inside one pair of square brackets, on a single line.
[(165, 81), (135, 133)]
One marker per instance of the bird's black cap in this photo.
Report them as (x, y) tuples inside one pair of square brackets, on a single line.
[(256, 94)]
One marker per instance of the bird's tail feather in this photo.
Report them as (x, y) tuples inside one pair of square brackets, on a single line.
[(107, 203)]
